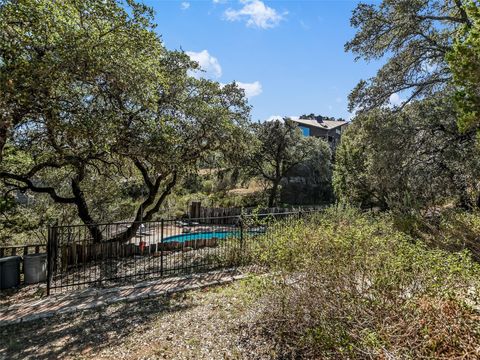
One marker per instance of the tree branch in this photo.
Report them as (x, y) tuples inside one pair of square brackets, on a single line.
[(441, 18), (38, 189)]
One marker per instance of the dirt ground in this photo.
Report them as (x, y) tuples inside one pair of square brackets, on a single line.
[(205, 324)]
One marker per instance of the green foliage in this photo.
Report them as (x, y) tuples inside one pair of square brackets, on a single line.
[(464, 61), (350, 176), (347, 284), (65, 51), (279, 148), (415, 36), (316, 175), (452, 230), (101, 116), (408, 161)]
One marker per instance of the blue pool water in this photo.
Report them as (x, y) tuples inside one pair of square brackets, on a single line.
[(207, 235)]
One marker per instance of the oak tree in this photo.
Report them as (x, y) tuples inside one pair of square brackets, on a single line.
[(414, 36), (93, 102)]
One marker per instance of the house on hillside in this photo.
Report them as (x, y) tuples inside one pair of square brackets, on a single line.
[(322, 127), (301, 186)]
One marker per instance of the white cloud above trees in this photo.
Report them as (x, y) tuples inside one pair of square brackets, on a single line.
[(208, 63), (251, 89), (210, 68), (255, 14)]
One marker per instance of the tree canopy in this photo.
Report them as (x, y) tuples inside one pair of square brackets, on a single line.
[(413, 156), (280, 147), (94, 100), (409, 160), (414, 36), (464, 61)]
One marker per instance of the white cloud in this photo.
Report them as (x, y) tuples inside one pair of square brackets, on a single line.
[(281, 117), (207, 62), (212, 69), (275, 117), (185, 5), (251, 89), (256, 14), (395, 100)]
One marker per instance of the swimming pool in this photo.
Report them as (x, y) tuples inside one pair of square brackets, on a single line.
[(209, 235)]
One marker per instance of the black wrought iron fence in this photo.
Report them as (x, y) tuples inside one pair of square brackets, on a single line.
[(103, 255)]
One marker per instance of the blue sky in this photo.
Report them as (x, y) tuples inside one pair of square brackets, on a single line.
[(288, 55)]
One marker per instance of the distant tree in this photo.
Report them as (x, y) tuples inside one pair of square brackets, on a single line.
[(415, 36), (280, 146), (317, 167), (317, 117), (94, 105), (310, 182), (464, 61), (311, 116)]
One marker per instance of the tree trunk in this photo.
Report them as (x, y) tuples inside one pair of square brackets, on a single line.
[(465, 201), (273, 194), (82, 209), (133, 228), (4, 126)]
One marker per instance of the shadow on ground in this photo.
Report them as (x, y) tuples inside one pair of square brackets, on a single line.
[(87, 332)]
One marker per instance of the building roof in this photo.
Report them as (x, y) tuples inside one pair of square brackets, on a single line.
[(325, 124)]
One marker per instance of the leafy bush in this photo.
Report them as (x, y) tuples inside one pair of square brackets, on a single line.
[(453, 230), (408, 161), (349, 285)]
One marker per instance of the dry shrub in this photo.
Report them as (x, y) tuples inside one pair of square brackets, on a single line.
[(436, 329), (346, 285)]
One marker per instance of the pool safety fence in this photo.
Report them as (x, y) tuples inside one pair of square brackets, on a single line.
[(103, 255)]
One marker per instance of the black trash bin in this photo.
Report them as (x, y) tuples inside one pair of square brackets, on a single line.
[(35, 268), (9, 272)]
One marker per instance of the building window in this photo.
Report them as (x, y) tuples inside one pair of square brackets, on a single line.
[(305, 131)]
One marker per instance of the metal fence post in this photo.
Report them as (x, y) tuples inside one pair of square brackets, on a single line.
[(161, 247), (240, 221), (51, 255)]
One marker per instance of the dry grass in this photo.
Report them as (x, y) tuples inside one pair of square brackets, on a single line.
[(252, 188), (435, 329), (206, 324)]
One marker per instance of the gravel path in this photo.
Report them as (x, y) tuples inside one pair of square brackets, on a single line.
[(205, 324), (91, 297)]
